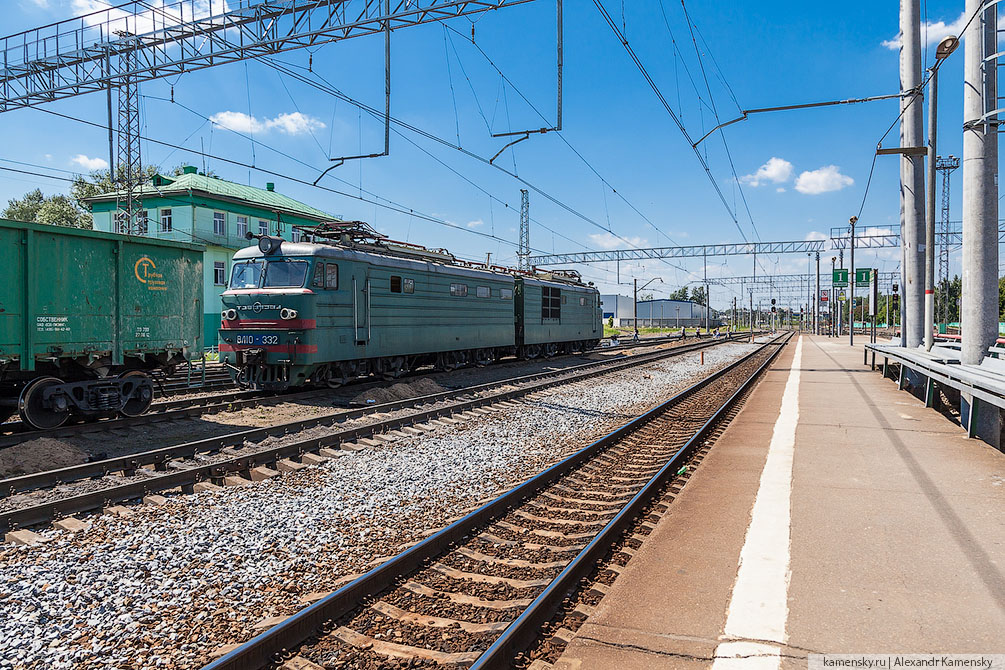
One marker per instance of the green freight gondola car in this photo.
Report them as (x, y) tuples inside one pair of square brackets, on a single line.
[(85, 316)]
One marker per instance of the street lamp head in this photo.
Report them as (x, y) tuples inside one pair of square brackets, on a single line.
[(853, 220), (946, 47)]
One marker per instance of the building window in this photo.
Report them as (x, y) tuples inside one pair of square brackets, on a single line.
[(296, 235), (263, 227), (331, 277), (506, 293), (483, 292), (166, 225), (395, 284), (409, 286), (142, 222), (219, 223), (242, 226), (459, 290), (219, 273), (551, 303)]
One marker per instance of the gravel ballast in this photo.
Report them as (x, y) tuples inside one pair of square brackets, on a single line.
[(168, 585)]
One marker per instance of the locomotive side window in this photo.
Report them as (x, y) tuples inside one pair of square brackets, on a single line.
[(319, 276), (582, 302), (395, 284), (506, 293), (564, 297), (483, 292), (247, 274), (331, 275), (459, 290), (285, 274), (409, 286), (551, 302)]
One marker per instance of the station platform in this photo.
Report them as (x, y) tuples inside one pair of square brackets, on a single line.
[(836, 514)]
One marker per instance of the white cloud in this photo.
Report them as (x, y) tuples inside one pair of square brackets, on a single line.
[(780, 189), (934, 30), (290, 124), (89, 163), (295, 123), (822, 180), (814, 235), (609, 241), (776, 170), (478, 223), (160, 16), (43, 4)]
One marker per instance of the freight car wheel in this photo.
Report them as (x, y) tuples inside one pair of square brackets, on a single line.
[(34, 413), (141, 398)]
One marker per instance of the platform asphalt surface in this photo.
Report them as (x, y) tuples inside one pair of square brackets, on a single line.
[(867, 524)]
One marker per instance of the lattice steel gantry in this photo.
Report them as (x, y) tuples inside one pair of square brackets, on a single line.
[(524, 249), (945, 165)]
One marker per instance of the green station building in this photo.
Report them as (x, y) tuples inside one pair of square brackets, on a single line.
[(193, 207)]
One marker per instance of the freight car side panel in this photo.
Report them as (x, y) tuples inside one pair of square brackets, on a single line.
[(70, 293), (572, 315), (161, 297), (12, 293)]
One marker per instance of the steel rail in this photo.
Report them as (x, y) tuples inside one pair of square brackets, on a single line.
[(525, 628), (168, 410), (268, 647), (159, 458)]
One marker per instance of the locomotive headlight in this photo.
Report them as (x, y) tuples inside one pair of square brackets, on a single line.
[(269, 245), (285, 313), (293, 313), (230, 314)]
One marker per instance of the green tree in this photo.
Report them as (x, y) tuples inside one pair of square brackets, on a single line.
[(1001, 298), (25, 208), (698, 295), (679, 294), (53, 210)]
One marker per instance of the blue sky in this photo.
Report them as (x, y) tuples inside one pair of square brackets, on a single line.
[(801, 172)]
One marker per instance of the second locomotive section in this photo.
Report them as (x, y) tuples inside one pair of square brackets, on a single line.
[(298, 313)]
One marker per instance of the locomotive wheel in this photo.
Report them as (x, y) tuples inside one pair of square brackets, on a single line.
[(30, 407), (139, 402)]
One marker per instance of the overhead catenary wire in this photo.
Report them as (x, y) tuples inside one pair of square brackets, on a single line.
[(680, 126)]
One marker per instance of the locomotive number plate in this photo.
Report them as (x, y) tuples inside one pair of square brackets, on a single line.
[(258, 340)]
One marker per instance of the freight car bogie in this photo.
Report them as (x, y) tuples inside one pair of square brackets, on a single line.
[(48, 402)]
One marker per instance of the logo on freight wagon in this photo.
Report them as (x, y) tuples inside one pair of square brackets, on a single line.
[(146, 272)]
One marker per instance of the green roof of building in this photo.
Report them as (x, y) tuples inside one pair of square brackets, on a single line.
[(191, 182)]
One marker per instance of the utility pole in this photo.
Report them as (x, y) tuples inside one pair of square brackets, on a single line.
[(851, 280), (912, 175), (635, 304), (979, 318), (816, 300), (524, 249), (129, 160)]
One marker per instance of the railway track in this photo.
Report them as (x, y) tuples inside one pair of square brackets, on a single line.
[(15, 432), (101, 483), (510, 576)]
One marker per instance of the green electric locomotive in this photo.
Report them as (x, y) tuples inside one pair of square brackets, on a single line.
[(351, 303)]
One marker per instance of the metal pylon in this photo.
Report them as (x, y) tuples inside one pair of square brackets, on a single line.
[(524, 249), (945, 166), (129, 170)]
